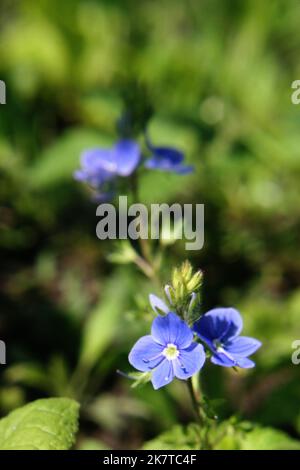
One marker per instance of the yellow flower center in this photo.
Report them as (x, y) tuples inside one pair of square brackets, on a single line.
[(171, 352)]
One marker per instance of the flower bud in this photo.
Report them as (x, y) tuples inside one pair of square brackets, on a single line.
[(185, 291)]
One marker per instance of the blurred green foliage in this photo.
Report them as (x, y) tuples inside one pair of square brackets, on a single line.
[(47, 424), (218, 76)]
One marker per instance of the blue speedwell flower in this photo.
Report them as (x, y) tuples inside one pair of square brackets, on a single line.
[(219, 329), (168, 352), (100, 167), (167, 159)]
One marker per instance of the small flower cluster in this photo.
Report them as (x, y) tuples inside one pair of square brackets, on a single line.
[(100, 167), (173, 348)]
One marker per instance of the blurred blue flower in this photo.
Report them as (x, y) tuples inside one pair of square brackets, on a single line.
[(167, 159), (219, 329), (168, 352), (100, 167)]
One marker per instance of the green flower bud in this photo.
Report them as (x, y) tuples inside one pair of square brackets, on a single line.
[(184, 293)]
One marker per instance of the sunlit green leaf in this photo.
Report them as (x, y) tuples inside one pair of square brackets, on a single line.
[(48, 424)]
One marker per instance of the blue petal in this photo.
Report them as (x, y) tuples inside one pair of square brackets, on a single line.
[(157, 303), (101, 197), (245, 363), (98, 159), (95, 179), (127, 155), (146, 354), (184, 169), (171, 329), (155, 163), (222, 324), (189, 361), (243, 346), (80, 175), (167, 159), (223, 360), (235, 324), (171, 154), (163, 374), (96, 167)]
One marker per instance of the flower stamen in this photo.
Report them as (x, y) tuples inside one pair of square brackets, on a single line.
[(171, 352)]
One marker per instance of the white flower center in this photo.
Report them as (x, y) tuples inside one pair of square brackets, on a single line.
[(218, 345), (171, 352), (220, 349)]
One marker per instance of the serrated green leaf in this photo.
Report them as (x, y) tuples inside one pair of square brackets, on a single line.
[(47, 424)]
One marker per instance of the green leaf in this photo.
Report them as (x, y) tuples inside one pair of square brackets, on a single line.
[(269, 439), (93, 444), (103, 323), (47, 424), (231, 435), (227, 435), (178, 438)]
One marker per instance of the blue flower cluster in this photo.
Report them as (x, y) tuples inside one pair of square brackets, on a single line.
[(172, 349), (100, 167)]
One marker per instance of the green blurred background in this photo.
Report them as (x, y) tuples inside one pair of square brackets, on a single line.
[(218, 75)]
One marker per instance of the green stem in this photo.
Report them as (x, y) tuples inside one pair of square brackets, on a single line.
[(144, 266), (195, 402), (195, 393), (144, 261)]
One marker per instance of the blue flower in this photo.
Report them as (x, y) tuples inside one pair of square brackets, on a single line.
[(168, 352), (167, 159), (100, 167), (219, 329)]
